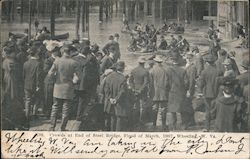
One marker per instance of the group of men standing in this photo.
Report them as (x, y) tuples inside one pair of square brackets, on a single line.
[(67, 78)]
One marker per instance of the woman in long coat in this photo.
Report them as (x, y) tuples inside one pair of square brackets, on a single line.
[(12, 105)]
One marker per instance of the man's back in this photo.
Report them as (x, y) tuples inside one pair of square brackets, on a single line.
[(208, 81), (159, 79), (32, 71), (139, 77)]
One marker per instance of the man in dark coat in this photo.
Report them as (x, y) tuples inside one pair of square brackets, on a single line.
[(49, 82), (113, 46), (89, 79), (177, 101), (208, 85), (173, 42), (159, 81), (116, 90), (139, 80), (227, 109), (214, 47), (220, 60), (65, 71), (163, 44), (33, 82), (198, 60), (13, 116), (182, 44), (243, 82), (106, 62)]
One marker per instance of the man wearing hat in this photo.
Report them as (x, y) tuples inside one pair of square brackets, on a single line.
[(49, 81), (159, 80), (65, 71), (191, 74), (227, 109), (198, 60), (115, 48), (222, 56), (173, 42), (116, 92), (106, 62), (182, 44), (214, 47), (163, 43), (231, 56), (208, 85), (177, 100), (12, 108), (243, 79), (138, 81), (33, 82)]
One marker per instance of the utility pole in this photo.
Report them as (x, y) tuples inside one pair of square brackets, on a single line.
[(52, 18), (29, 33), (101, 11), (83, 16), (78, 13)]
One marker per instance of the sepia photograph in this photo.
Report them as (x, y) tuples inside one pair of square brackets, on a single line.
[(115, 66)]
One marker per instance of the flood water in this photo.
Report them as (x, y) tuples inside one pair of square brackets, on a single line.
[(99, 32)]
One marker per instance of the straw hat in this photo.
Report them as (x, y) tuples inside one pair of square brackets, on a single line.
[(158, 59)]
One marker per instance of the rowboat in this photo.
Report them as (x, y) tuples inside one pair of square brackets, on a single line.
[(61, 36)]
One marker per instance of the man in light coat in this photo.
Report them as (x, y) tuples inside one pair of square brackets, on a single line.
[(160, 89), (65, 71), (139, 80)]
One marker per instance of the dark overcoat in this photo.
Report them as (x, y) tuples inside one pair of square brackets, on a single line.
[(159, 81), (208, 82), (116, 88), (33, 74), (177, 92), (227, 114), (139, 79)]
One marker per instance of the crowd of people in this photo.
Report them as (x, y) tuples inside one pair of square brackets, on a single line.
[(144, 38), (65, 78)]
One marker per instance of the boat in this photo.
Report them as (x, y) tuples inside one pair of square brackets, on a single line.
[(17, 35), (61, 36), (143, 53)]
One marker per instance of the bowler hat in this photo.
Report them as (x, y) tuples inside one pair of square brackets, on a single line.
[(33, 50), (85, 50), (141, 59), (120, 65), (8, 49), (195, 48)]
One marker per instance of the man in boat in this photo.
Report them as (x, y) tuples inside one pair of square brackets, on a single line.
[(182, 44), (173, 42), (132, 44), (210, 32), (163, 43)]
